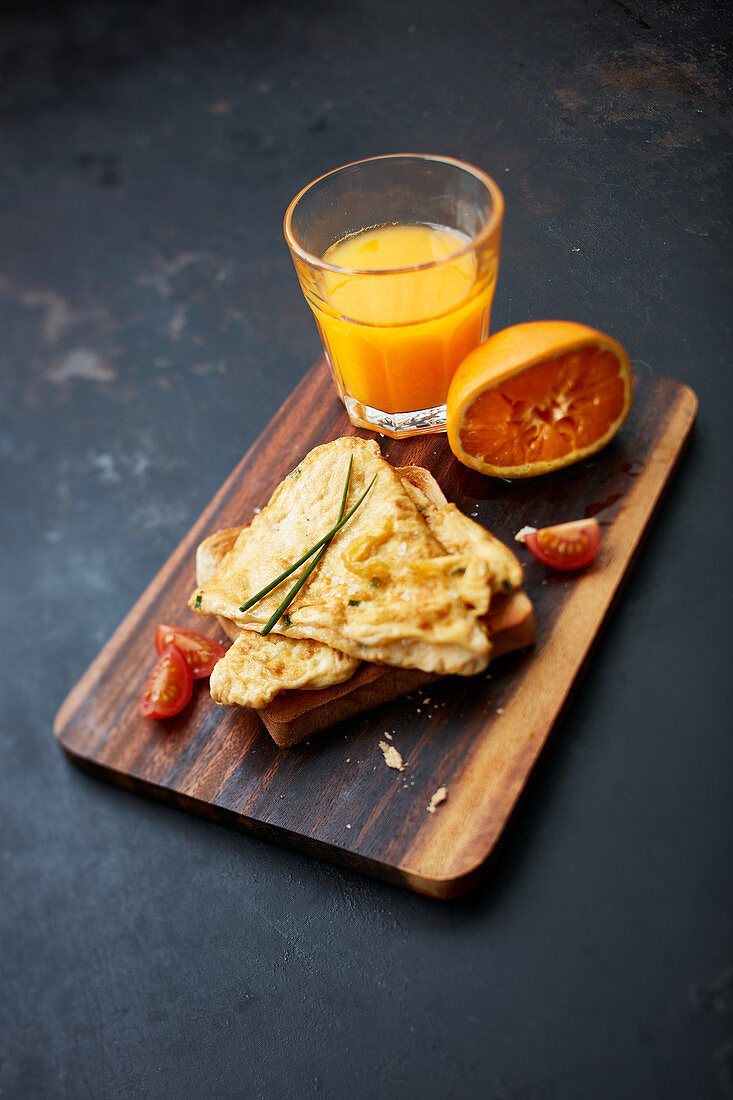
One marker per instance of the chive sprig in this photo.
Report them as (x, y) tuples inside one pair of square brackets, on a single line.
[(318, 549)]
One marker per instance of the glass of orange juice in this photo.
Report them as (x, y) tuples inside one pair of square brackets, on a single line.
[(397, 256)]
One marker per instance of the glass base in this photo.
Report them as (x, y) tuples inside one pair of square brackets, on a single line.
[(396, 425)]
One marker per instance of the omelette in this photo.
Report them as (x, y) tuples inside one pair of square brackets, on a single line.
[(404, 583), (255, 669)]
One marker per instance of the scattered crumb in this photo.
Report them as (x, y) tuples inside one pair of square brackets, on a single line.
[(499, 710), (348, 826), (388, 735), (426, 701), (348, 759), (522, 534), (545, 582), (440, 796), (391, 756)]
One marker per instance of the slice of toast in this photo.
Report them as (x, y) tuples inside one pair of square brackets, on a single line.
[(295, 715)]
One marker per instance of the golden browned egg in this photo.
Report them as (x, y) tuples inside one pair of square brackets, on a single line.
[(387, 590), (255, 669), (458, 534)]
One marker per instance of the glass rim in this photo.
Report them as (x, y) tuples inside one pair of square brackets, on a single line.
[(486, 230)]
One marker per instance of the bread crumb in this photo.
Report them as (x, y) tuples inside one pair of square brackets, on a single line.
[(440, 796), (522, 534), (392, 757), (388, 735), (499, 710), (426, 701)]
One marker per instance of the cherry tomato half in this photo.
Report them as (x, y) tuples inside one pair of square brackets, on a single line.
[(201, 652), (565, 546), (168, 687)]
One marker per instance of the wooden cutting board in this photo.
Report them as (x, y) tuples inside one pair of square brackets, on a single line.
[(479, 737)]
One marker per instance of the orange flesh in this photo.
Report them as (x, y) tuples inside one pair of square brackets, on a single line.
[(548, 411)]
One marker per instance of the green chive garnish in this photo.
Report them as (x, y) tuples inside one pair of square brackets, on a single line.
[(326, 538), (321, 546), (321, 551)]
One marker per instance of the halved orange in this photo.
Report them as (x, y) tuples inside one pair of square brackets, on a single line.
[(536, 397)]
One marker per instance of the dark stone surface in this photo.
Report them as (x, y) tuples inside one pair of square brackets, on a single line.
[(151, 324)]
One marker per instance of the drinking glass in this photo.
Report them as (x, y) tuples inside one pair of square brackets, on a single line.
[(397, 256)]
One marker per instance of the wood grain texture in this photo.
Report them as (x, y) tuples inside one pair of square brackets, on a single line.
[(479, 737)]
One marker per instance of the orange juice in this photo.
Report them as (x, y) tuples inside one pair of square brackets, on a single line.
[(395, 338)]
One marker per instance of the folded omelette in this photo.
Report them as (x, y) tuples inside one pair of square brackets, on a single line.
[(403, 583)]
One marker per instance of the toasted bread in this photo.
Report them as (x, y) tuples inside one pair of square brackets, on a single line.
[(295, 715), (209, 556)]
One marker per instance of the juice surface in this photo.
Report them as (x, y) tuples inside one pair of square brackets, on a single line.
[(395, 337)]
